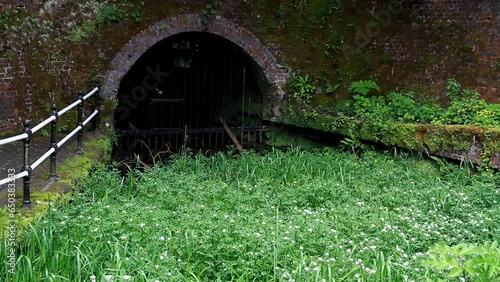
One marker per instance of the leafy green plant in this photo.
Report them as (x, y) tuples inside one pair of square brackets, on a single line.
[(466, 107), (402, 106), (81, 32), (136, 16), (363, 87), (470, 262), (330, 89), (109, 13), (4, 19), (353, 144), (207, 14), (301, 87)]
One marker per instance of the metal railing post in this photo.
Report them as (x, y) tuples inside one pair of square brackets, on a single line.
[(97, 102), (79, 145), (26, 166), (53, 142)]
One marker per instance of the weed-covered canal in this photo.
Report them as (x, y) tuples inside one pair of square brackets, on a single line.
[(277, 216)]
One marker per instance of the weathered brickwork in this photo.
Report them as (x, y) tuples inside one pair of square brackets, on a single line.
[(440, 39), (8, 96), (131, 52), (449, 38), (29, 5)]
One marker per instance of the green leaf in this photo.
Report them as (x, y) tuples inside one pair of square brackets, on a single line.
[(455, 272)]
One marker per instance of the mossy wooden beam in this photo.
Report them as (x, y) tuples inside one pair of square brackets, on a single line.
[(477, 144)]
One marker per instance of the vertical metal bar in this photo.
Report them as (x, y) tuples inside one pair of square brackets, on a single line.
[(53, 143), (182, 117), (198, 92), (210, 98), (79, 149), (254, 139), (243, 105), (26, 166), (97, 104)]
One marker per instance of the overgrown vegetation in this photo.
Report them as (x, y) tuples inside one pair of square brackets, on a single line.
[(279, 216), (464, 106)]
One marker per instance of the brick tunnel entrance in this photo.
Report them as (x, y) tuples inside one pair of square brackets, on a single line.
[(177, 92)]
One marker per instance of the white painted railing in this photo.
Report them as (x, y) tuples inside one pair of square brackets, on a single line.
[(27, 132)]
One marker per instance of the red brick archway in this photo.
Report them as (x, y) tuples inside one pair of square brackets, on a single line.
[(274, 75)]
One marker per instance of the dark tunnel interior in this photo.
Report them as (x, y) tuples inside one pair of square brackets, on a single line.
[(178, 90)]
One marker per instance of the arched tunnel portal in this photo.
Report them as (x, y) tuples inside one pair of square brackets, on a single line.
[(173, 81), (177, 92)]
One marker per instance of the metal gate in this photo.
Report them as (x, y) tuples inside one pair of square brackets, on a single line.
[(208, 78)]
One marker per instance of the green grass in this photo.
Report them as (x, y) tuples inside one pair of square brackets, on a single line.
[(279, 216)]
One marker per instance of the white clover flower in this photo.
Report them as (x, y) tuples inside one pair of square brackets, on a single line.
[(127, 277), (162, 238), (108, 277)]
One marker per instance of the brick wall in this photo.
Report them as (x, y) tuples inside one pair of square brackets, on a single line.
[(12, 68), (131, 52), (449, 38), (8, 97), (30, 5), (442, 39)]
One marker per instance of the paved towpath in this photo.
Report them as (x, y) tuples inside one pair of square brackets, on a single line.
[(11, 157)]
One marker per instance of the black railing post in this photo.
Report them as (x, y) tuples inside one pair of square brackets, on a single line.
[(97, 102), (26, 165), (79, 145), (53, 142)]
